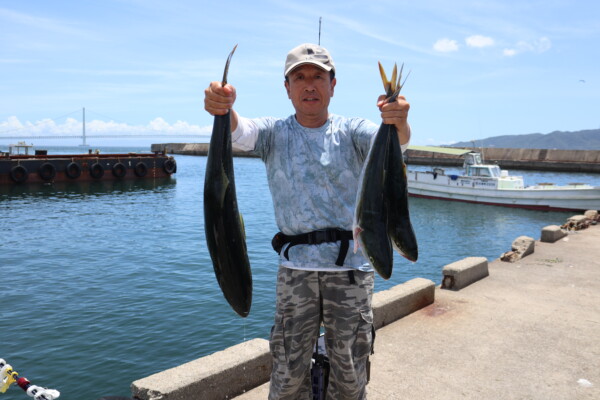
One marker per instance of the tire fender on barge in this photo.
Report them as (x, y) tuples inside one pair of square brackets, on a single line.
[(119, 170), (140, 169), (73, 170), (47, 171), (170, 166), (19, 174), (96, 170)]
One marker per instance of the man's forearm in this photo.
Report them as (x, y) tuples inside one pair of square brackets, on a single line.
[(233, 118), (403, 133)]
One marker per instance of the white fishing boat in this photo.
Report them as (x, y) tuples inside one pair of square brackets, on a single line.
[(488, 184)]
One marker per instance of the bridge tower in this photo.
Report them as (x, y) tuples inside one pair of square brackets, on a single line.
[(84, 144)]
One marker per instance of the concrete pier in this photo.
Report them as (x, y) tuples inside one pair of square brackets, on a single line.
[(529, 330), (226, 374)]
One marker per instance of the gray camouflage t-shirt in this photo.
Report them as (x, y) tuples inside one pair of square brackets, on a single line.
[(313, 176)]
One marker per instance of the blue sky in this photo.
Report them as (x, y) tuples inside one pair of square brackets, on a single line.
[(478, 68)]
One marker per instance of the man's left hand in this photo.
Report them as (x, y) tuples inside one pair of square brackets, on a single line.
[(396, 113)]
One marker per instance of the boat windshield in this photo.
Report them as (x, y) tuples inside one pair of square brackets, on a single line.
[(492, 171)]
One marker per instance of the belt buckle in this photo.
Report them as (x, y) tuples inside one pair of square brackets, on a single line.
[(319, 237)]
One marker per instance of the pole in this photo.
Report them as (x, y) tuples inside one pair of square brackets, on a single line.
[(320, 30), (84, 142)]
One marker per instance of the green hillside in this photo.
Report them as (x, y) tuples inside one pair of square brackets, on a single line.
[(578, 140)]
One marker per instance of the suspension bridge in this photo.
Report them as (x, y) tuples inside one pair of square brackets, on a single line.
[(10, 135)]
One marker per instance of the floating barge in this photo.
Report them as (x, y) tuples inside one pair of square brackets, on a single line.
[(17, 166)]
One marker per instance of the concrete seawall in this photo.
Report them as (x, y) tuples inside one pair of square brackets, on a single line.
[(526, 159), (191, 149)]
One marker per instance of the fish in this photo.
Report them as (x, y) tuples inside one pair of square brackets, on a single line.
[(400, 228), (369, 228), (381, 217), (223, 223)]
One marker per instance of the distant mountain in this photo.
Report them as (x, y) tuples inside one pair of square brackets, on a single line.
[(578, 140)]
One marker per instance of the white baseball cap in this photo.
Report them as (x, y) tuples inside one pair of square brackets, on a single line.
[(308, 53)]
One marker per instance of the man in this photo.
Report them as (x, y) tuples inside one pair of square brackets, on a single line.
[(313, 161)]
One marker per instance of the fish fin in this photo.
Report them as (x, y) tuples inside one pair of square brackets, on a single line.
[(243, 226), (225, 187), (224, 81), (355, 234), (386, 83), (398, 82), (403, 82), (393, 84)]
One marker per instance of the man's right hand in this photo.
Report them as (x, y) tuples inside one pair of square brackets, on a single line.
[(219, 99)]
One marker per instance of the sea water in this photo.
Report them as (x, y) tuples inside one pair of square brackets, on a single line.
[(106, 283)]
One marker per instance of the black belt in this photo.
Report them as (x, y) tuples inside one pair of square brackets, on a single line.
[(315, 237)]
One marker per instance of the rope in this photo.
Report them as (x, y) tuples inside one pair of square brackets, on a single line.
[(8, 376)]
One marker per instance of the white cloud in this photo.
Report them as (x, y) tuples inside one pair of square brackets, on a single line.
[(13, 127), (543, 44), (540, 45), (445, 45), (479, 41)]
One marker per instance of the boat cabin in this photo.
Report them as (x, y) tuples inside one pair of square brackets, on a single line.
[(474, 167), (21, 148)]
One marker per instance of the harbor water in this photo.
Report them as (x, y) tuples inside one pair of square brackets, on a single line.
[(106, 283)]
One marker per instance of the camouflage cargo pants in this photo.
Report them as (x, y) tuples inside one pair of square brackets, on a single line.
[(304, 299)]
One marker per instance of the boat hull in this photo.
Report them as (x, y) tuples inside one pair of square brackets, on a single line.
[(25, 169), (485, 191)]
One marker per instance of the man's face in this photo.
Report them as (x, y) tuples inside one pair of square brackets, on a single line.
[(310, 88)]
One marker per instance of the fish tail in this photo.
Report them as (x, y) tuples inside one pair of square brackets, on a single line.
[(356, 230)]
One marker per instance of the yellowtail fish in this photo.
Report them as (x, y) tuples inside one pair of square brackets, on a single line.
[(223, 224), (381, 217)]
